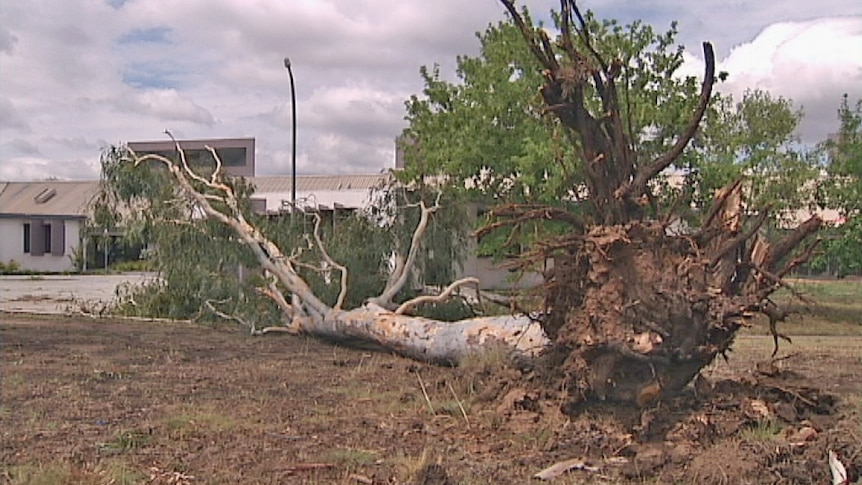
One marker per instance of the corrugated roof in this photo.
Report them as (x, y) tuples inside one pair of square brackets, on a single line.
[(48, 198), (312, 183), (72, 198)]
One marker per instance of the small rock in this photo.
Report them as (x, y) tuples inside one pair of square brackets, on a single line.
[(805, 434)]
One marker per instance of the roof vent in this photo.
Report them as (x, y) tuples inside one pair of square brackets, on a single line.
[(45, 195)]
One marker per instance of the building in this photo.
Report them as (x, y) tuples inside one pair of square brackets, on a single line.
[(315, 193), (41, 223), (236, 154)]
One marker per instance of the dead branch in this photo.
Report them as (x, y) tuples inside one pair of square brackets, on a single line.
[(221, 314), (342, 294), (394, 285), (419, 300)]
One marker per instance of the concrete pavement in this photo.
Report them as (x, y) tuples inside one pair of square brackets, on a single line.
[(61, 293)]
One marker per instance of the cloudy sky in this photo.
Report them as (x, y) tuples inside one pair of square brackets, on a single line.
[(78, 75)]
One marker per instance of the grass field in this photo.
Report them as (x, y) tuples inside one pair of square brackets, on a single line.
[(822, 307)]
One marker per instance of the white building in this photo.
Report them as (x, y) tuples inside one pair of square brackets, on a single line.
[(41, 223)]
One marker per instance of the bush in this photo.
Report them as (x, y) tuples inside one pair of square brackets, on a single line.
[(12, 267)]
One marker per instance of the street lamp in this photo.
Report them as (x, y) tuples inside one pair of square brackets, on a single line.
[(293, 155)]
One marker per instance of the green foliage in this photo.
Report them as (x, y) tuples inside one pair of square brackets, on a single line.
[(351, 240), (753, 140), (843, 191), (489, 135), (201, 262)]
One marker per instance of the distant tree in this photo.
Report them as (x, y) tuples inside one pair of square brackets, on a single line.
[(843, 191)]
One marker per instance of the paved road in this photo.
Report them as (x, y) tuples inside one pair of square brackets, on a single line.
[(60, 293)]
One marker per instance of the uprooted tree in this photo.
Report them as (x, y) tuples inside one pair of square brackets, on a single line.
[(636, 302), (635, 307)]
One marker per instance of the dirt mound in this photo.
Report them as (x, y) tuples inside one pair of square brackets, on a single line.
[(775, 428)]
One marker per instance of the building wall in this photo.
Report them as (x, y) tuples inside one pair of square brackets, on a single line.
[(12, 246), (242, 167), (493, 277)]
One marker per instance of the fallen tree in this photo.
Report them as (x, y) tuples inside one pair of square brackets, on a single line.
[(380, 321)]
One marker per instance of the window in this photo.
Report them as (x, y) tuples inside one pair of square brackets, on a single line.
[(46, 238), (26, 238)]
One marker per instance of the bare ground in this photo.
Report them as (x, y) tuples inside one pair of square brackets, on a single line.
[(87, 401)]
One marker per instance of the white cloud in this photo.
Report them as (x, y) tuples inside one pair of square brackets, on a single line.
[(166, 104), (813, 63), (11, 118)]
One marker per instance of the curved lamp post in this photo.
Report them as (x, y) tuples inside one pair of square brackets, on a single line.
[(293, 155)]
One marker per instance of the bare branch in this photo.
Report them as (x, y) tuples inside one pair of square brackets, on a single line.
[(266, 252), (585, 34), (221, 314), (272, 291), (419, 300), (780, 249), (342, 294), (545, 58), (394, 286), (645, 174)]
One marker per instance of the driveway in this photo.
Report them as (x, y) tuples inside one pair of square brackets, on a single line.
[(61, 293)]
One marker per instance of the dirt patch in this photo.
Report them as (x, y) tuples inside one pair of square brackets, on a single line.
[(88, 401)]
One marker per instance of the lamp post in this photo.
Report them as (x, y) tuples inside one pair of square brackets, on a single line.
[(293, 154)]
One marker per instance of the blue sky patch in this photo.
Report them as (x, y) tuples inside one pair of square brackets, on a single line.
[(155, 35), (117, 3), (152, 75)]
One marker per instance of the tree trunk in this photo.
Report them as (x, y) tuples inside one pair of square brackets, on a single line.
[(425, 339)]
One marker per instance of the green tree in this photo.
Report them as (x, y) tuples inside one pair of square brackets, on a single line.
[(843, 191), (490, 134)]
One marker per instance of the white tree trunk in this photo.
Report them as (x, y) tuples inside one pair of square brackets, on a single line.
[(425, 339)]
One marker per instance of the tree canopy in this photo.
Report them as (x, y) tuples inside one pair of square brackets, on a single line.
[(491, 135), (842, 191)]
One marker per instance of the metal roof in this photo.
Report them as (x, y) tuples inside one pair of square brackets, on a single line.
[(313, 183), (47, 198), (72, 198)]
